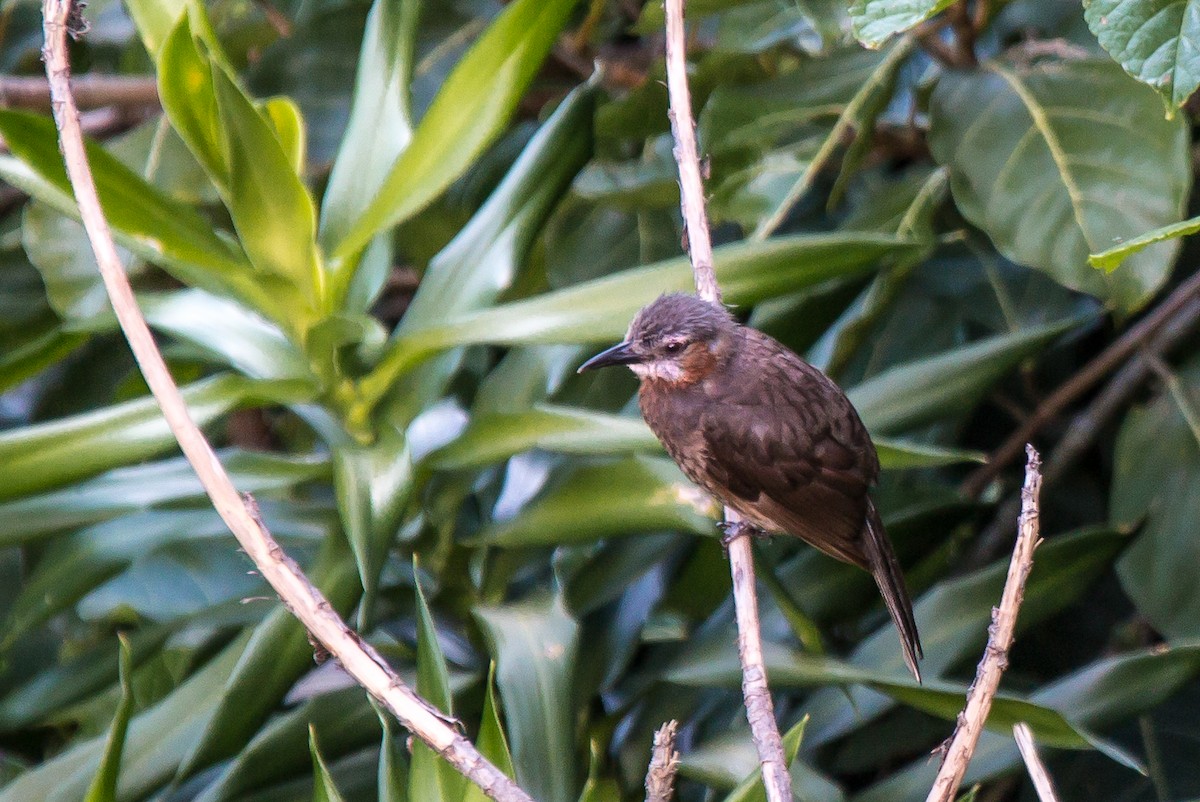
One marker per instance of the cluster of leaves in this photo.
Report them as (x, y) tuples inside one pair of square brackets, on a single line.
[(916, 219)]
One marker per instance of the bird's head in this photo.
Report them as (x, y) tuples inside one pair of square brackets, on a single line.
[(678, 340)]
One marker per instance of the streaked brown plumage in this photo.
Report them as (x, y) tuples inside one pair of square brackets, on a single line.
[(766, 433)]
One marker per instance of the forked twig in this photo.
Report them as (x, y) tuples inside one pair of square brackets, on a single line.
[(759, 709), (961, 745), (60, 17)]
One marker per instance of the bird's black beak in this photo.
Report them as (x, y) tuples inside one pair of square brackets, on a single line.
[(619, 354)]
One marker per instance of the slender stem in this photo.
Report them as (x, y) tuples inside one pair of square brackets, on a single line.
[(664, 763), (1042, 782), (91, 91), (240, 513), (961, 744), (759, 709), (1104, 363)]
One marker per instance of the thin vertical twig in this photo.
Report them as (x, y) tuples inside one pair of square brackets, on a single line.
[(961, 745), (298, 594), (1042, 782), (760, 710), (664, 763)]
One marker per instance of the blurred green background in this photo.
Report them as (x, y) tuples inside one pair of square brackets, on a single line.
[(375, 240)]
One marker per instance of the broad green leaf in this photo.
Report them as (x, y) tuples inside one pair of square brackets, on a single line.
[(874, 21), (280, 752), (58, 247), (270, 206), (951, 383), (104, 784), (47, 455), (380, 125), (471, 109), (1156, 484), (600, 310), (632, 495), (284, 117), (900, 454), (486, 256), (1096, 696), (242, 154), (373, 484), (154, 744), (1058, 160), (274, 657), (856, 120), (227, 332), (1114, 256), (138, 487), (46, 694), (429, 776), (324, 788), (492, 742), (953, 619), (1156, 41), (498, 436), (535, 645), (156, 228), (393, 770), (154, 20)]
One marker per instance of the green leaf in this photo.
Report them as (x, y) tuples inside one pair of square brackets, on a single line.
[(104, 784), (1056, 161), (429, 776), (874, 21), (1095, 696), (324, 788), (601, 309), (48, 455), (751, 789), (275, 656), (380, 124), (471, 109), (491, 743), (951, 383), (229, 333), (59, 248), (901, 454), (1156, 41), (535, 644), (154, 20), (393, 770), (243, 155), (497, 436), (373, 484), (484, 259), (953, 618), (632, 495), (154, 744), (1156, 484), (1113, 257), (138, 487), (145, 221)]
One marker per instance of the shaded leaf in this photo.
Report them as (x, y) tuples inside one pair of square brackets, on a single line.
[(534, 644), (874, 21), (1056, 161), (324, 788), (1156, 41), (104, 784), (491, 743)]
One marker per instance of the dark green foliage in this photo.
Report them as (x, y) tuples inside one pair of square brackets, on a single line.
[(374, 287)]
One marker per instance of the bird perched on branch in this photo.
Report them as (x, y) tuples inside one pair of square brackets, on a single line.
[(766, 433)]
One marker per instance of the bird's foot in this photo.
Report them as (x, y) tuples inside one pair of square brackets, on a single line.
[(732, 530)]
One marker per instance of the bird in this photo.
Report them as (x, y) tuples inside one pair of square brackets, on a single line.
[(766, 433)]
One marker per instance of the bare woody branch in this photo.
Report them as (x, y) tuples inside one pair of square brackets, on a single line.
[(759, 708), (297, 593), (1042, 782), (91, 91), (1000, 638), (664, 763)]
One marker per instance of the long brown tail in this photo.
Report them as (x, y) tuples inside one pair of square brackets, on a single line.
[(886, 569)]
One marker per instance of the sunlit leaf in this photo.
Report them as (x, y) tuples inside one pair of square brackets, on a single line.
[(1157, 42), (874, 21), (1114, 256)]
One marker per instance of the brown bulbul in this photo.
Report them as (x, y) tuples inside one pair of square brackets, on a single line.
[(766, 433)]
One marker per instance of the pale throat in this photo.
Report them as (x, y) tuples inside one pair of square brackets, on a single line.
[(662, 370)]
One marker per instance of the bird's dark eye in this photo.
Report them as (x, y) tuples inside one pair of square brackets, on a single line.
[(674, 348)]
